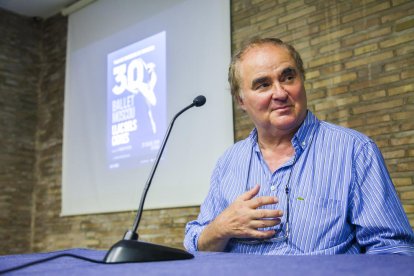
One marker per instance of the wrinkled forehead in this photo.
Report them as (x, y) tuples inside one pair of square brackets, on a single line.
[(265, 57), (253, 50)]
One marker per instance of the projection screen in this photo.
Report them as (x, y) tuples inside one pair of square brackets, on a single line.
[(131, 66)]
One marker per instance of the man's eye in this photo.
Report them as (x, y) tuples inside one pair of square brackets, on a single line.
[(288, 75), (262, 85), (288, 78)]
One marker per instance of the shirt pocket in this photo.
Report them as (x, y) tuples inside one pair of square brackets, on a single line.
[(317, 221), (326, 203)]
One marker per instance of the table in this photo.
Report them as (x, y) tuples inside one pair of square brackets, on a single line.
[(214, 264)]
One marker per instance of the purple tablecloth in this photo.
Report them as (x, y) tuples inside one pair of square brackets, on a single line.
[(215, 264)]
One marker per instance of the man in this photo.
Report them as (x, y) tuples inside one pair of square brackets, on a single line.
[(296, 185)]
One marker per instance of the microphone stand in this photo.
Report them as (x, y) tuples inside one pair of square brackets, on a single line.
[(129, 249)]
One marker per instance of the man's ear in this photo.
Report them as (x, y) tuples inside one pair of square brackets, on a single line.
[(240, 102)]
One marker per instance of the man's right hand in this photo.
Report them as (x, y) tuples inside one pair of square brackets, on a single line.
[(241, 219)]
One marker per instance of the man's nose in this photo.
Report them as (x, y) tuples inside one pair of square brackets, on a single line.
[(278, 91)]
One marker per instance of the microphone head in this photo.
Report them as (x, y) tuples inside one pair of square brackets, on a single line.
[(199, 100)]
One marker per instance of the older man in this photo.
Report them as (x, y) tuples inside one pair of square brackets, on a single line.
[(296, 185)]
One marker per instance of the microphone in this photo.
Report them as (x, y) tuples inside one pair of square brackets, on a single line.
[(129, 249), (199, 100)]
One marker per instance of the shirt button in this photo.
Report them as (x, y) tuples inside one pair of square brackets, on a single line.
[(303, 144), (272, 188)]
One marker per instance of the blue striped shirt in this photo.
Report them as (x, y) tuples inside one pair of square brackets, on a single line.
[(341, 197)]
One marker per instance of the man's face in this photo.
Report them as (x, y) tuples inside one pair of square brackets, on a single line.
[(272, 90)]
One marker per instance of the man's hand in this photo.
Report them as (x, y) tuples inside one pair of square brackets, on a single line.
[(241, 220)]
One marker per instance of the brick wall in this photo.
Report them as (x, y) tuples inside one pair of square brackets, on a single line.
[(359, 61), (19, 59)]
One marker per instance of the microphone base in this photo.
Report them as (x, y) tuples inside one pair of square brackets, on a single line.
[(133, 251)]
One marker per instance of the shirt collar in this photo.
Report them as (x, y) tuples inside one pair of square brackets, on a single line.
[(302, 138)]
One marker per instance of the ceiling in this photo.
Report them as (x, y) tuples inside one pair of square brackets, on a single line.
[(35, 8)]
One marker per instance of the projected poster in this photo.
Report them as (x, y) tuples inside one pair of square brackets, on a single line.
[(136, 102)]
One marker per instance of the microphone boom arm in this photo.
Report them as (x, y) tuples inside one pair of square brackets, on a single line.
[(132, 234)]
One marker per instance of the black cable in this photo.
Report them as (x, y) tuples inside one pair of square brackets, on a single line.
[(49, 259)]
